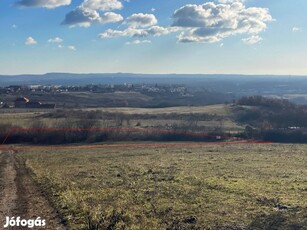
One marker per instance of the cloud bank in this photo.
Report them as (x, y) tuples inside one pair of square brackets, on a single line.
[(204, 23), (212, 22), (209, 22)]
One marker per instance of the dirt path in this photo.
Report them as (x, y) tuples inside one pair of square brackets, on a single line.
[(20, 197), (7, 186)]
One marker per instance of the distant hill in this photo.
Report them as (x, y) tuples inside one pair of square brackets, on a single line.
[(120, 78)]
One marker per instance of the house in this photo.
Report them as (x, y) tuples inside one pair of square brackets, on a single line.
[(21, 102)]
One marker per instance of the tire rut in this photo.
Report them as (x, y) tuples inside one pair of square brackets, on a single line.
[(19, 196)]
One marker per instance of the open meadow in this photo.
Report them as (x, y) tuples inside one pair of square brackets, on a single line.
[(248, 186), (144, 116)]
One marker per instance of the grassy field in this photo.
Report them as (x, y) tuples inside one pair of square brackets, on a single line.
[(219, 109), (26, 118), (201, 187)]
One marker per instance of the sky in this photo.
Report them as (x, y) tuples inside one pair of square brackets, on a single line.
[(153, 36)]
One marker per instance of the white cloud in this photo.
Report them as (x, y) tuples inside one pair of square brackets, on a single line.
[(212, 22), (139, 26), (141, 20), (110, 17), (87, 13), (296, 29), (209, 22), (73, 48), (55, 40), (159, 30), (138, 32), (50, 4), (252, 40), (82, 17), (130, 32), (104, 5), (138, 42), (30, 41)]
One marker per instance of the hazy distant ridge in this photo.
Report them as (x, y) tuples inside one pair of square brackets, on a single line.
[(120, 78)]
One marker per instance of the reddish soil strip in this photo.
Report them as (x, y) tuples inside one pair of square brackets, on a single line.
[(131, 145)]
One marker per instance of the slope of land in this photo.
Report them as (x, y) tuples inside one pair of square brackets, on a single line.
[(212, 187)]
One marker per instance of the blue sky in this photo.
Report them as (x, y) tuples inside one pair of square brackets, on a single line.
[(157, 36)]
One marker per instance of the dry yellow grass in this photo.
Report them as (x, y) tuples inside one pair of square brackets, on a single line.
[(210, 109), (213, 187)]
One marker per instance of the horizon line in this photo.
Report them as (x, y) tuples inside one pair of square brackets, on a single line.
[(131, 73)]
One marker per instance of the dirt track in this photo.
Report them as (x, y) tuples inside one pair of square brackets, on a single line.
[(20, 197)]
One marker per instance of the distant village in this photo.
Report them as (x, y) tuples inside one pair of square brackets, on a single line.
[(106, 88), (22, 101)]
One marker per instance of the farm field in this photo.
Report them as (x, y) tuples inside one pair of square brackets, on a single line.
[(203, 118), (196, 187), (12, 115)]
